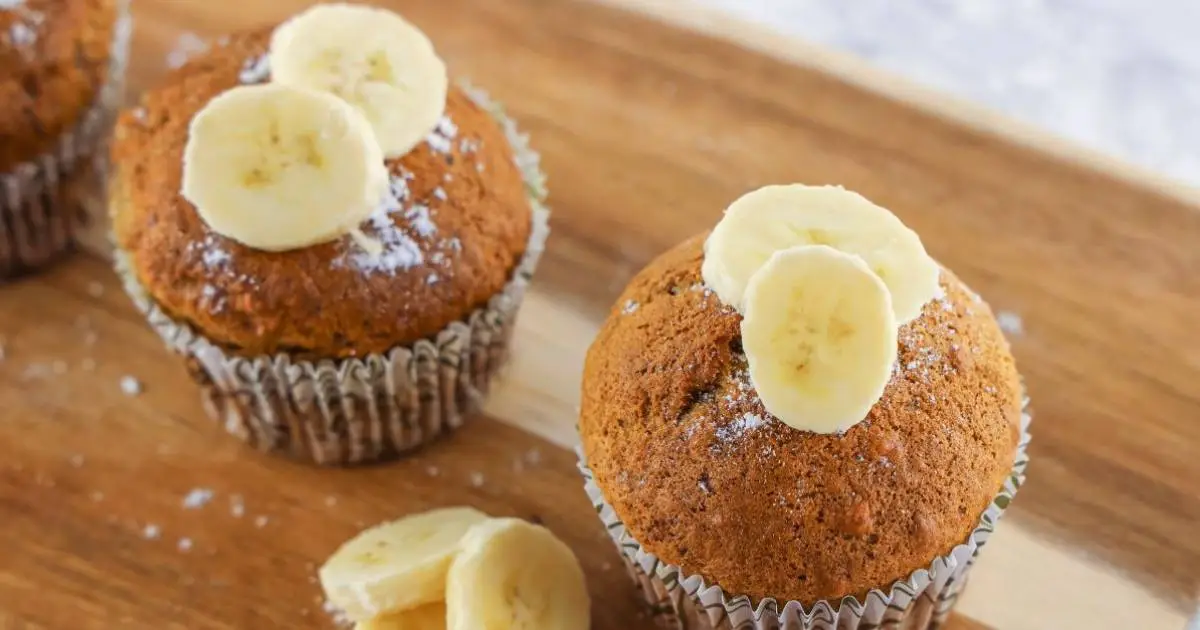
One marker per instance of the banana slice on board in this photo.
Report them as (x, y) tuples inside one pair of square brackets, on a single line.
[(278, 167), (513, 575), (397, 566), (371, 57), (773, 218), (427, 617), (819, 334)]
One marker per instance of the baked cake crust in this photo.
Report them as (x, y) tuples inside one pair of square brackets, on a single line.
[(705, 479), (466, 210), (54, 58)]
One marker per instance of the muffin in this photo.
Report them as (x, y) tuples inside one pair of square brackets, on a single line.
[(338, 327), (62, 63), (901, 447)]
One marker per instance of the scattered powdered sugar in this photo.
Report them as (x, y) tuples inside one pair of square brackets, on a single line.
[(197, 498), (130, 385), (1011, 323), (418, 217), (337, 615), (629, 307), (255, 70), (237, 507), (442, 136), (739, 427), (139, 114), (188, 45), (21, 35), (469, 145), (261, 521), (151, 532), (214, 255), (477, 480), (400, 232), (439, 194), (184, 545)]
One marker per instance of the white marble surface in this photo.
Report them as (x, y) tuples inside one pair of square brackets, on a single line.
[(1120, 76)]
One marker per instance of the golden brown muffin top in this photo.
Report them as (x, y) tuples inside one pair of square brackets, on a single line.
[(705, 478), (54, 58), (465, 210)]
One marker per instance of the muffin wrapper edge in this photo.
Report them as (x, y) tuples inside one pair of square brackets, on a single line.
[(351, 411), (921, 601), (58, 197)]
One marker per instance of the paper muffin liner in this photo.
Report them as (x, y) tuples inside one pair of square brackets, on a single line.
[(352, 411), (48, 200), (921, 601)]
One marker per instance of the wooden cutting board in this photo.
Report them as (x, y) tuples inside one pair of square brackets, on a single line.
[(648, 129)]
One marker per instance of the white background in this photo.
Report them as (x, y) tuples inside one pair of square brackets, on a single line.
[(1120, 76)]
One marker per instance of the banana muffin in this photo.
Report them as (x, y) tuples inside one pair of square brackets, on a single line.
[(724, 511), (350, 346), (61, 68)]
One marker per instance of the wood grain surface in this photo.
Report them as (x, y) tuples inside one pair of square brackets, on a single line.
[(648, 131)]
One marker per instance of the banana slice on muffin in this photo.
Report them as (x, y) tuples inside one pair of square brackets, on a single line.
[(277, 167), (819, 336), (371, 57), (773, 218)]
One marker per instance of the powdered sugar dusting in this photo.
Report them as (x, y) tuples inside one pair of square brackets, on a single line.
[(739, 427), (407, 232), (8, 5), (441, 139), (255, 70), (418, 217), (1011, 323), (20, 35), (399, 251), (631, 306), (187, 46)]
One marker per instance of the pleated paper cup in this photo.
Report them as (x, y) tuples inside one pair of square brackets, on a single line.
[(360, 410), (47, 201), (921, 601)]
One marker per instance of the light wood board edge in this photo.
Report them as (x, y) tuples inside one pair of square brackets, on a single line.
[(850, 69)]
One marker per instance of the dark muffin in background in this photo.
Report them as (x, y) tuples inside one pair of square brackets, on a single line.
[(726, 515), (329, 352), (62, 65)]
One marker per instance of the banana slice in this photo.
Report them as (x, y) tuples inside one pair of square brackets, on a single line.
[(769, 219), (371, 57), (512, 575), (278, 167), (396, 566), (427, 617), (820, 336)]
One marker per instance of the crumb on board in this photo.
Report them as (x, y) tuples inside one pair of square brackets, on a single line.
[(131, 385), (197, 498)]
